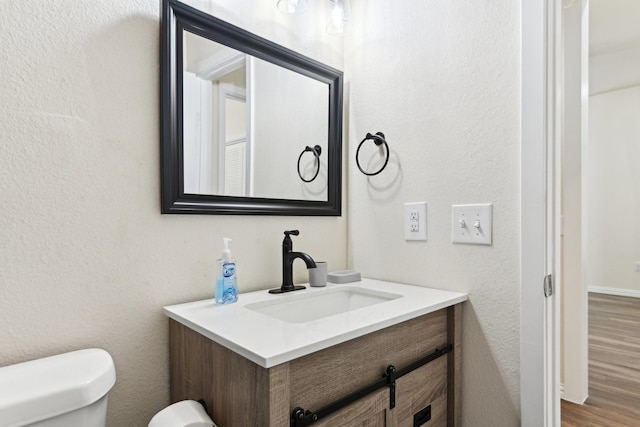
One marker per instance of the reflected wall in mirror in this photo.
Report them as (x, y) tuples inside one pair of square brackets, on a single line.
[(237, 112)]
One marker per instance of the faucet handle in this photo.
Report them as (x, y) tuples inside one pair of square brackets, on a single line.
[(292, 232)]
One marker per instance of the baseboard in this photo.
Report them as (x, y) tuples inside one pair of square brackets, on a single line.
[(615, 291), (578, 401)]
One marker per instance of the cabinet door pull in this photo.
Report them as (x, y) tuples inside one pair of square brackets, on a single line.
[(422, 416)]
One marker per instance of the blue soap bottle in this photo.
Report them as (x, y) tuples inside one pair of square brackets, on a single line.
[(226, 277)]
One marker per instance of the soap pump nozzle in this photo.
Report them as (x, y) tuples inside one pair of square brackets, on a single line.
[(226, 252)]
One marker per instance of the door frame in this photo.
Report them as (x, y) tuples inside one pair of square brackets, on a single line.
[(230, 91), (540, 130)]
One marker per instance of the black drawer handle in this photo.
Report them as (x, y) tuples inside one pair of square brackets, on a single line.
[(422, 416)]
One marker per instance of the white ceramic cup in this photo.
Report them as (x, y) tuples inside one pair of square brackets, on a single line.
[(318, 275)]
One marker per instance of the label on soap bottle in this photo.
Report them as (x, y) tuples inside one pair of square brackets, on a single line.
[(228, 269), (229, 292)]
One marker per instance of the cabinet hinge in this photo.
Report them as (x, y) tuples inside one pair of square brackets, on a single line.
[(548, 285)]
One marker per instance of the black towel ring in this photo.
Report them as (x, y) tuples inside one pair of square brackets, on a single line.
[(378, 139), (317, 150)]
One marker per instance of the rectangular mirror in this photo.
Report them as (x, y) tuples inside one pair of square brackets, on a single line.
[(248, 126)]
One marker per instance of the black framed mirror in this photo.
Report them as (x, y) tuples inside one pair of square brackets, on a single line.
[(237, 113)]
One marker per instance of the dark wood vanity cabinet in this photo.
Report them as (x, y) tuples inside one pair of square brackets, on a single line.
[(239, 393)]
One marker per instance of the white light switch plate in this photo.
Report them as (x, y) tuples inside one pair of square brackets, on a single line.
[(472, 224), (415, 221)]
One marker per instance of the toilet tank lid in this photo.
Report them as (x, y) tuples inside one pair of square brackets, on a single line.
[(44, 388)]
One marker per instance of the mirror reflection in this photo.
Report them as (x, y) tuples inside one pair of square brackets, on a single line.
[(246, 122)]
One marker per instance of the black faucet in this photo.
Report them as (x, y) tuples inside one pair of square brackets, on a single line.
[(288, 256)]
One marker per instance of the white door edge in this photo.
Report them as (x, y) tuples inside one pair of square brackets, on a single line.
[(539, 355)]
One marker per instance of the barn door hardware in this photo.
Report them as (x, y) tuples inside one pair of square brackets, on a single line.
[(302, 418)]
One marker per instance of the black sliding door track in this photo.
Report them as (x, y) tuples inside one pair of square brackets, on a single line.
[(301, 418)]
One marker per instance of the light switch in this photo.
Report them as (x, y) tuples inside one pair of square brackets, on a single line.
[(472, 224), (415, 221)]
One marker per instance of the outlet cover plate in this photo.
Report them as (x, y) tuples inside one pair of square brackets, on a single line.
[(472, 224), (415, 221)]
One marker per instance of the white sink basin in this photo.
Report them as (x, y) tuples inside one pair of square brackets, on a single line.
[(306, 307)]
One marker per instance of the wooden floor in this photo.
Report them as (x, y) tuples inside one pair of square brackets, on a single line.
[(614, 365)]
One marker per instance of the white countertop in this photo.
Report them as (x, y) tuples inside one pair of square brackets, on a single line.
[(268, 341)]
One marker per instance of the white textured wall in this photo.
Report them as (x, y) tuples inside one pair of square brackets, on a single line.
[(614, 45), (86, 257), (441, 80), (614, 70), (613, 193), (285, 123), (614, 189)]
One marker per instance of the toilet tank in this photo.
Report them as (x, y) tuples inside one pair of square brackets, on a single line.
[(66, 390)]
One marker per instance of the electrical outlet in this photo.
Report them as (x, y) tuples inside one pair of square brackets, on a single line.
[(415, 221), (637, 266)]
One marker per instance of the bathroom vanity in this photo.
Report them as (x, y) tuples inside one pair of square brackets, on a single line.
[(369, 353)]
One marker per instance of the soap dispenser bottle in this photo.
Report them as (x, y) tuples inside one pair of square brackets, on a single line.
[(226, 279)]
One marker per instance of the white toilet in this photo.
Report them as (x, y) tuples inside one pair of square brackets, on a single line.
[(59, 391), (70, 390)]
